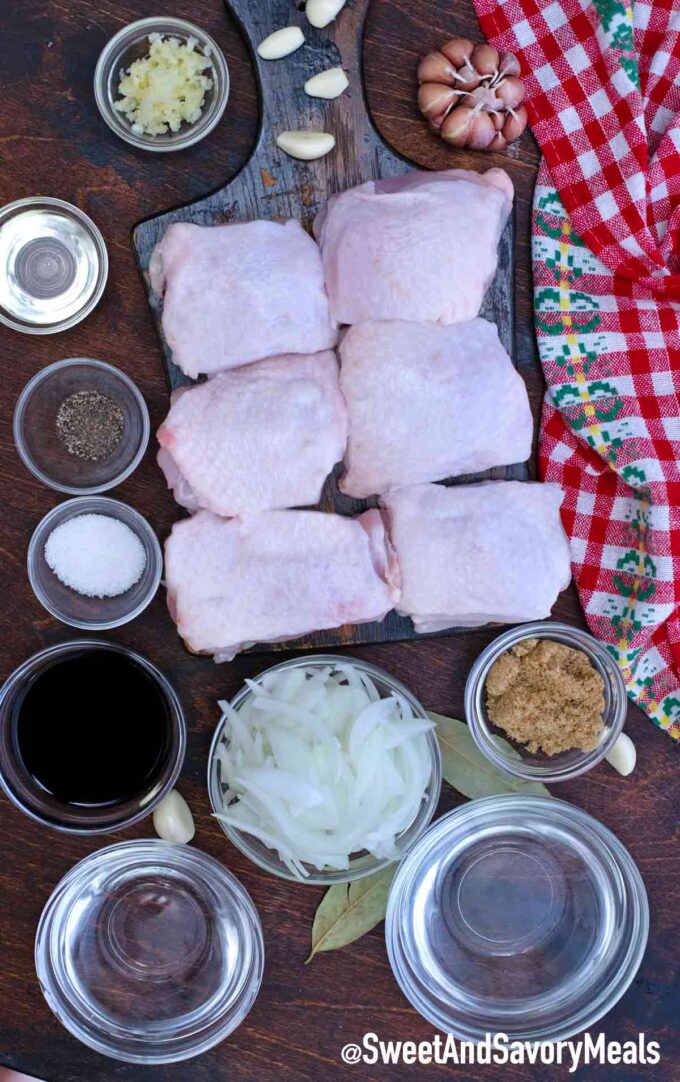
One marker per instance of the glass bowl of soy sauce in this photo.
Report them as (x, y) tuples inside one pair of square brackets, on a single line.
[(92, 737)]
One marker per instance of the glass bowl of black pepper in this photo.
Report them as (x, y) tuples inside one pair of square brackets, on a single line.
[(81, 426)]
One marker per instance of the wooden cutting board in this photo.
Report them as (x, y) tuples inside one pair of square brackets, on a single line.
[(272, 185)]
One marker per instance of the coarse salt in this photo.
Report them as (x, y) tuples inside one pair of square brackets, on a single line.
[(96, 555)]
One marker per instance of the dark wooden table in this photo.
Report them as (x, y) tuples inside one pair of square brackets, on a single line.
[(52, 142)]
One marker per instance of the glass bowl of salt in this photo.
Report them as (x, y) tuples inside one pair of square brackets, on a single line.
[(94, 563)]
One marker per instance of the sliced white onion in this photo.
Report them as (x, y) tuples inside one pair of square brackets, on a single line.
[(317, 766)]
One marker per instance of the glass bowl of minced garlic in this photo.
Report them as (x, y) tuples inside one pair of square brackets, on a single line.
[(545, 702), (161, 84)]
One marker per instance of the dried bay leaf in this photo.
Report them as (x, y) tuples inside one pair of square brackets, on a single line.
[(465, 768), (350, 910)]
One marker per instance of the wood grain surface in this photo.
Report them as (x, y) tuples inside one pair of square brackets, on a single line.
[(52, 142), (273, 185)]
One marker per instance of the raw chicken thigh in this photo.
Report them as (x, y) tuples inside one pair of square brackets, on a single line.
[(428, 402), (274, 576), (256, 438), (240, 292), (476, 554), (421, 247)]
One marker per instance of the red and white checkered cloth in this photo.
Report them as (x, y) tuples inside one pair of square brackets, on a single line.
[(603, 94)]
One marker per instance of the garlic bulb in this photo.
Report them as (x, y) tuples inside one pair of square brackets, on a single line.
[(172, 819), (305, 145), (327, 84), (321, 13), (281, 43), (471, 95)]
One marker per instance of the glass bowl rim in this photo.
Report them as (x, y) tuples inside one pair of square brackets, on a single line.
[(69, 509), (610, 849), (92, 228), (137, 30), (176, 853), (63, 649), (20, 409), (318, 878), (481, 733)]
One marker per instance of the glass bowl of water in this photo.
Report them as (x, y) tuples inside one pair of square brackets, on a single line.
[(53, 265), (516, 914), (150, 952)]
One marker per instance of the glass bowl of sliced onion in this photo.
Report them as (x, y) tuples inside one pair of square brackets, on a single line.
[(324, 770)]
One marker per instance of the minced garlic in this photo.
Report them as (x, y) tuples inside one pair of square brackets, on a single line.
[(166, 88)]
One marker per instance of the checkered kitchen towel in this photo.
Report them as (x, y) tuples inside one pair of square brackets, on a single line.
[(603, 89)]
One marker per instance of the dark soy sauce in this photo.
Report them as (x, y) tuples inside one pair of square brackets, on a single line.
[(93, 729)]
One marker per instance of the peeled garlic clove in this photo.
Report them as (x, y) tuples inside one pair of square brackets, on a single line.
[(281, 43), (623, 755), (435, 68), (305, 145), (172, 819), (458, 50), (510, 91), (485, 59), (327, 84), (515, 125), (434, 99), (322, 12), (456, 127)]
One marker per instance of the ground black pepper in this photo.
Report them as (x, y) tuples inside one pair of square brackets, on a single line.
[(90, 425)]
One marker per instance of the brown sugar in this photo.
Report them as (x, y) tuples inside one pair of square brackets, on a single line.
[(547, 696)]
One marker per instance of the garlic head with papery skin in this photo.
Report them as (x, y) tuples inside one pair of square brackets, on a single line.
[(478, 78)]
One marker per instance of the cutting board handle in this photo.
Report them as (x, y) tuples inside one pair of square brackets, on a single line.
[(360, 152)]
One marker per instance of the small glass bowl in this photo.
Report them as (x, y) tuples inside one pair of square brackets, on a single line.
[(516, 914), (32, 799), (362, 864), (78, 610), (132, 43), (518, 761), (53, 265), (35, 427), (149, 952)]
